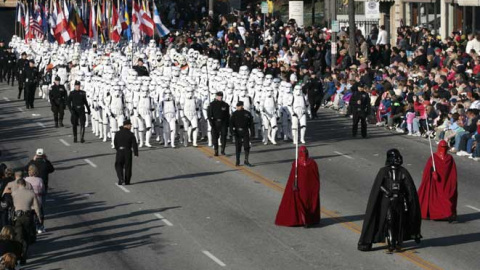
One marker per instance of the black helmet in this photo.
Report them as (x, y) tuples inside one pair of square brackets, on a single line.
[(394, 158)]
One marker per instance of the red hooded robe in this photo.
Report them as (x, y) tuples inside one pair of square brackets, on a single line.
[(301, 206), (438, 190)]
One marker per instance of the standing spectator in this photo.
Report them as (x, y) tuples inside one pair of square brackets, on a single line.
[(7, 242), (43, 165), (8, 262), (26, 206), (382, 36), (38, 189)]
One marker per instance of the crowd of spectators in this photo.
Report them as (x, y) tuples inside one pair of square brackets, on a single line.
[(423, 85), (23, 191)]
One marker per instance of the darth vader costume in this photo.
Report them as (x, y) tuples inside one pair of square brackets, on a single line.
[(393, 194)]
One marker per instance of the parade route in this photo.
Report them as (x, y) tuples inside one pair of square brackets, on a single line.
[(187, 209)]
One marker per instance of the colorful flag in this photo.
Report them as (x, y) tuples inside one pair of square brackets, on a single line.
[(61, 33), (35, 31), (116, 29), (76, 28), (159, 27), (92, 33), (127, 21)]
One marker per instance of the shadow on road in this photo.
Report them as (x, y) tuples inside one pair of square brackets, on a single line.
[(77, 235)]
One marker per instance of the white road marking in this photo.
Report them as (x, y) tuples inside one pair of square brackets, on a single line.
[(90, 163), (168, 223), (41, 125), (6, 98), (347, 156), (64, 142), (35, 114), (123, 188), (20, 109), (474, 208), (215, 259)]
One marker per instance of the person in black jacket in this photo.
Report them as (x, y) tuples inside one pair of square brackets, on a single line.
[(242, 126), (3, 60), (11, 63), (124, 143), (22, 64), (393, 204), (314, 93), (360, 108), (44, 166), (31, 81), (77, 102), (58, 101), (218, 116), (140, 68)]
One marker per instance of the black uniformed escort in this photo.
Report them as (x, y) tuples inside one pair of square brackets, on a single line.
[(22, 64), (218, 116), (360, 109), (141, 69), (242, 127), (58, 101), (11, 65), (3, 60), (31, 80), (77, 102), (124, 142)]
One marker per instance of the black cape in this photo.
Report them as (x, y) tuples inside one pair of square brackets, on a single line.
[(375, 216)]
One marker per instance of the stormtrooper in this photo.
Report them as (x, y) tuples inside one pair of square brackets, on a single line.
[(190, 113), (269, 116), (168, 114), (144, 116), (116, 111), (285, 103), (299, 110)]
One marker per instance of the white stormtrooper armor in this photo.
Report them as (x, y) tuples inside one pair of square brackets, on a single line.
[(168, 114), (145, 109), (286, 102), (117, 117), (299, 110), (269, 116), (190, 113)]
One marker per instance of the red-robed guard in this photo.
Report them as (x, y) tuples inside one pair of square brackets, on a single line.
[(438, 190), (300, 204)]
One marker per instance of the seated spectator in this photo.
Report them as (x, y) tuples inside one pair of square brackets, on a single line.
[(7, 242), (461, 138), (8, 262)]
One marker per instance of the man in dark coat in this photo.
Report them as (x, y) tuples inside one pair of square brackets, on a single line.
[(58, 101), (393, 199), (219, 116), (124, 143), (242, 126), (44, 166), (31, 82), (22, 64)]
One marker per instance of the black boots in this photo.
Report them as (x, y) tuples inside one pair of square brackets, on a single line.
[(247, 153), (237, 163), (74, 128), (56, 124), (223, 150), (216, 153), (82, 133)]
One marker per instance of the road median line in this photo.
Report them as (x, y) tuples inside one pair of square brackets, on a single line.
[(408, 255)]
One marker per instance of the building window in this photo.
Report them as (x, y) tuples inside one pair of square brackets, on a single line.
[(343, 9)]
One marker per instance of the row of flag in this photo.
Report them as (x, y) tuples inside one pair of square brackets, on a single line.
[(104, 20)]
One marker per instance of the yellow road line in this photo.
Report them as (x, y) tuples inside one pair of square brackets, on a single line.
[(409, 254)]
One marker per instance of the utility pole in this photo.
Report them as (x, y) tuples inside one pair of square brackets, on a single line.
[(210, 7), (313, 12), (333, 12), (352, 28)]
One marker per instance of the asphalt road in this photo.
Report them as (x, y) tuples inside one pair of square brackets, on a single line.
[(189, 210)]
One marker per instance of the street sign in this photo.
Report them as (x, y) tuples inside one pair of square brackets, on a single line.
[(372, 9), (295, 11), (264, 7), (335, 26), (334, 48)]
